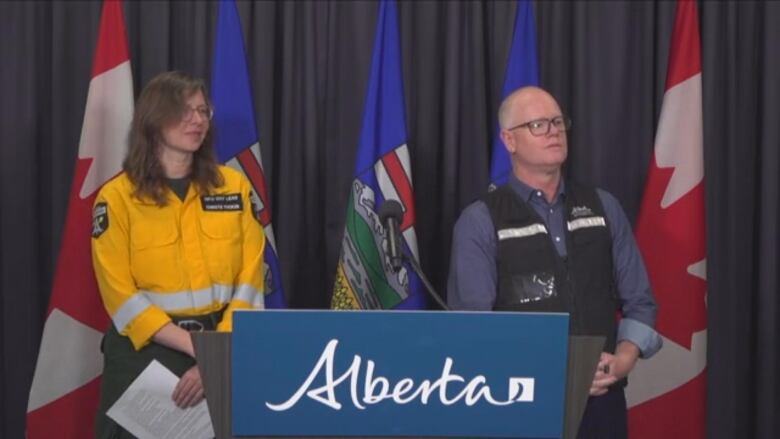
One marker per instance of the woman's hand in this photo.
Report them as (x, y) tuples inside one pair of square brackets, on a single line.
[(189, 390)]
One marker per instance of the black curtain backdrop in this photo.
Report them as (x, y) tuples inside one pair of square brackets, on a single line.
[(309, 61)]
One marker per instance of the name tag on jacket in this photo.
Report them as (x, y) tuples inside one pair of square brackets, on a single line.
[(222, 202)]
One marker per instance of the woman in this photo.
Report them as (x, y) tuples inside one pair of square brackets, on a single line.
[(175, 244)]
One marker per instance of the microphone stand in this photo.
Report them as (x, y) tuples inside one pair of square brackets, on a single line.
[(428, 286)]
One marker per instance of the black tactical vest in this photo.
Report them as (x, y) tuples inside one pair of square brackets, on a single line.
[(533, 277)]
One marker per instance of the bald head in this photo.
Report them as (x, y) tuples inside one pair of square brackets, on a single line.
[(534, 153), (511, 107)]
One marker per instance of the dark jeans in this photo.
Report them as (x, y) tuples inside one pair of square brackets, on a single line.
[(606, 416)]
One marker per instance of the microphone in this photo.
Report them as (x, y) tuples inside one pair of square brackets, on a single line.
[(391, 214)]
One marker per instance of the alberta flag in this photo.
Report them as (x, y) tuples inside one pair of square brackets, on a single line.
[(237, 142), (522, 69), (66, 384), (364, 277), (667, 393)]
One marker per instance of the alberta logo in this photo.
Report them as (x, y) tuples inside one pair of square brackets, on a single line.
[(578, 211), (371, 388)]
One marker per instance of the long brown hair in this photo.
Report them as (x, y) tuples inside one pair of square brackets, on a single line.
[(161, 104)]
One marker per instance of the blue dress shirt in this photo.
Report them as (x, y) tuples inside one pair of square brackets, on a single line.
[(472, 278)]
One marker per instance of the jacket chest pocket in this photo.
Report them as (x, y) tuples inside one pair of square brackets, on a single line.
[(222, 244), (155, 261)]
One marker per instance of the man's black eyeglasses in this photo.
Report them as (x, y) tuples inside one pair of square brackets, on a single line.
[(541, 127)]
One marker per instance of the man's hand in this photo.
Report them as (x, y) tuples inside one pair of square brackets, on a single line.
[(189, 390), (612, 368)]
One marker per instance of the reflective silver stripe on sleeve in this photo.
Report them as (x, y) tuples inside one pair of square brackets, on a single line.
[(183, 300), (129, 311), (581, 223), (259, 302), (249, 294), (190, 299), (521, 232)]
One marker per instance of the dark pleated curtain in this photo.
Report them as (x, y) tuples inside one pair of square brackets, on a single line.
[(741, 54), (309, 61)]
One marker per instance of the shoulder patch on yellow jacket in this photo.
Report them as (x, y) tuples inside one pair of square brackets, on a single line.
[(99, 219)]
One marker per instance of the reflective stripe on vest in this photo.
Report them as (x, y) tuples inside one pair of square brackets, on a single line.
[(581, 223), (521, 232)]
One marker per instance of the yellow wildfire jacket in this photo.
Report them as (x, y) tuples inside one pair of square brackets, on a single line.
[(187, 258)]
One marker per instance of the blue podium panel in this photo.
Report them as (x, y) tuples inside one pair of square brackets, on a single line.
[(398, 373)]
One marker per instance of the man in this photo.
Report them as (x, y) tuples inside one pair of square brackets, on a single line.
[(540, 243)]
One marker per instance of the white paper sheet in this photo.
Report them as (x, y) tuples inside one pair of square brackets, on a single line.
[(147, 410)]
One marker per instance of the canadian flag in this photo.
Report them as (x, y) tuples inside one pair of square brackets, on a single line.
[(666, 394), (65, 388)]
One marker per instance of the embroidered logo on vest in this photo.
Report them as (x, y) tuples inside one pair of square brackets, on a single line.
[(578, 211)]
